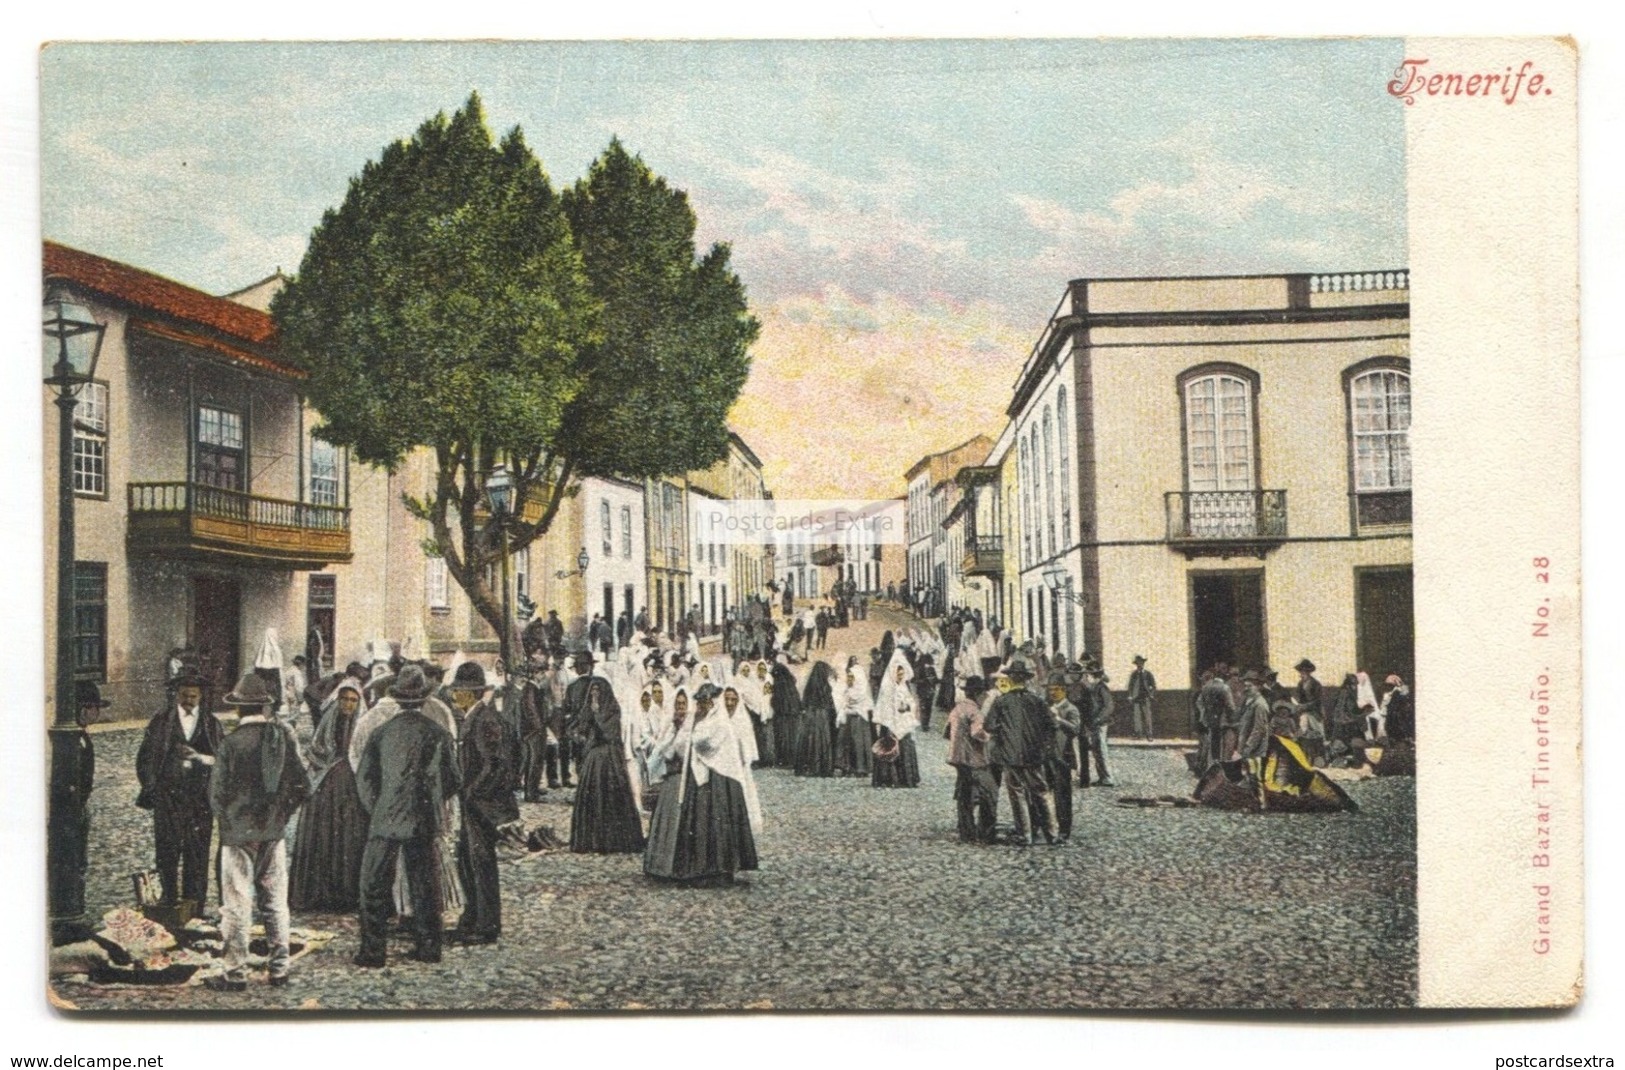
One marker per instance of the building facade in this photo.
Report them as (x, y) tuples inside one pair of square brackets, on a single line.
[(1217, 470), (932, 494)]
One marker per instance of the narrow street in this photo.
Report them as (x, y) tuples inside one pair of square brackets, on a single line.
[(865, 899)]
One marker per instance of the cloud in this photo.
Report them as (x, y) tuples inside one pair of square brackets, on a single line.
[(846, 392)]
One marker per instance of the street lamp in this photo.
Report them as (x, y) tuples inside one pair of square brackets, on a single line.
[(499, 497), (73, 341), (582, 561), (1060, 585)]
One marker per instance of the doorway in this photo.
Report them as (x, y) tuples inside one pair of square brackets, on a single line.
[(1385, 622), (216, 627), (1227, 619)]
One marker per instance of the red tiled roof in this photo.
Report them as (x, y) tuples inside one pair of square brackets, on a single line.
[(154, 293)]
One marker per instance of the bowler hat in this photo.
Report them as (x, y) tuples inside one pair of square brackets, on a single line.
[(470, 676), (1056, 679), (1305, 666), (188, 676), (251, 690), (90, 696), (411, 686)]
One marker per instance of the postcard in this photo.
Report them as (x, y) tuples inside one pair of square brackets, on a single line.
[(825, 525)]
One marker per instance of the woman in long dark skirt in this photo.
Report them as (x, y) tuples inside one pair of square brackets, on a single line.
[(325, 871), (706, 822), (786, 701), (605, 819), (897, 763), (815, 749), (853, 736)]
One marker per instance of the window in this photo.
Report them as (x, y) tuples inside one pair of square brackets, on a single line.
[(626, 531), (321, 610), (521, 574), (1381, 402), (1065, 451), (90, 441), (90, 620), (219, 448), (607, 526), (1049, 480), (1038, 499), (1219, 433), (1026, 506), (435, 590), (324, 472)]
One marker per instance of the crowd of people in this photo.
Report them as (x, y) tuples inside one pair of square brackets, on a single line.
[(410, 781)]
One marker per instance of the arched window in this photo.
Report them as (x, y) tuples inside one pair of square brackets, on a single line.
[(1379, 399), (1381, 406), (1049, 481), (1063, 447), (1219, 433), (1038, 497), (1026, 506)]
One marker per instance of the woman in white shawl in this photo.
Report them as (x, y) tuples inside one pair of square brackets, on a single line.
[(853, 708), (755, 692), (707, 818), (896, 716)]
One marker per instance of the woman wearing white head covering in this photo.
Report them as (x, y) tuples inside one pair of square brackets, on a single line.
[(853, 736), (706, 822), (756, 692), (896, 716), (325, 867)]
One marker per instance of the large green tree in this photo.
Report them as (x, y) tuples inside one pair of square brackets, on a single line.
[(445, 305)]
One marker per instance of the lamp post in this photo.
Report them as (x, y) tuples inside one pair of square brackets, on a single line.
[(582, 561), (73, 341), (499, 496)]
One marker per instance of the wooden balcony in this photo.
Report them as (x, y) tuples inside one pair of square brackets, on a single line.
[(984, 556), (1226, 523), (192, 520)]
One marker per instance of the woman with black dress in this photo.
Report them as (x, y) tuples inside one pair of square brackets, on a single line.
[(896, 714), (605, 819), (706, 822), (786, 703), (815, 750), (325, 872)]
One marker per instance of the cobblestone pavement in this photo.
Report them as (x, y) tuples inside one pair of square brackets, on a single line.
[(866, 900)]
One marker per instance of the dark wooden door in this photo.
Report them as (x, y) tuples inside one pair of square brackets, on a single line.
[(1386, 623), (216, 629)]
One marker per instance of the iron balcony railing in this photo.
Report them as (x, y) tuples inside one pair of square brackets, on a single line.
[(1226, 515)]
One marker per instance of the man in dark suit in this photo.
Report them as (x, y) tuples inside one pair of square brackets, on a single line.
[(488, 778), (1021, 731), (407, 772), (173, 765)]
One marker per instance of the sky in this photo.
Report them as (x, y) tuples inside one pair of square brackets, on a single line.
[(904, 214)]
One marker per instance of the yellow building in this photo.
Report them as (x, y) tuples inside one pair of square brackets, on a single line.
[(1217, 470)]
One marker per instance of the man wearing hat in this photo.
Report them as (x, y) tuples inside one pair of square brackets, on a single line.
[(1253, 737), (488, 777), (575, 704), (1142, 691), (257, 783), (407, 772), (1307, 697), (1021, 730), (1063, 757), (173, 767), (1097, 722)]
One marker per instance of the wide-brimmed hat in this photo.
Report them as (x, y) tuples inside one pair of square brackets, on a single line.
[(90, 696), (1056, 679), (707, 692), (1139, 659), (251, 690), (1019, 668), (1305, 666), (1251, 677), (470, 676), (411, 686)]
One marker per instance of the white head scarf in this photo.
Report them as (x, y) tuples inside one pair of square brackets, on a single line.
[(852, 699), (896, 707), (715, 745), (270, 655)]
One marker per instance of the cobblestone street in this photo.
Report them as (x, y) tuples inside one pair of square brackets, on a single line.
[(866, 900)]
